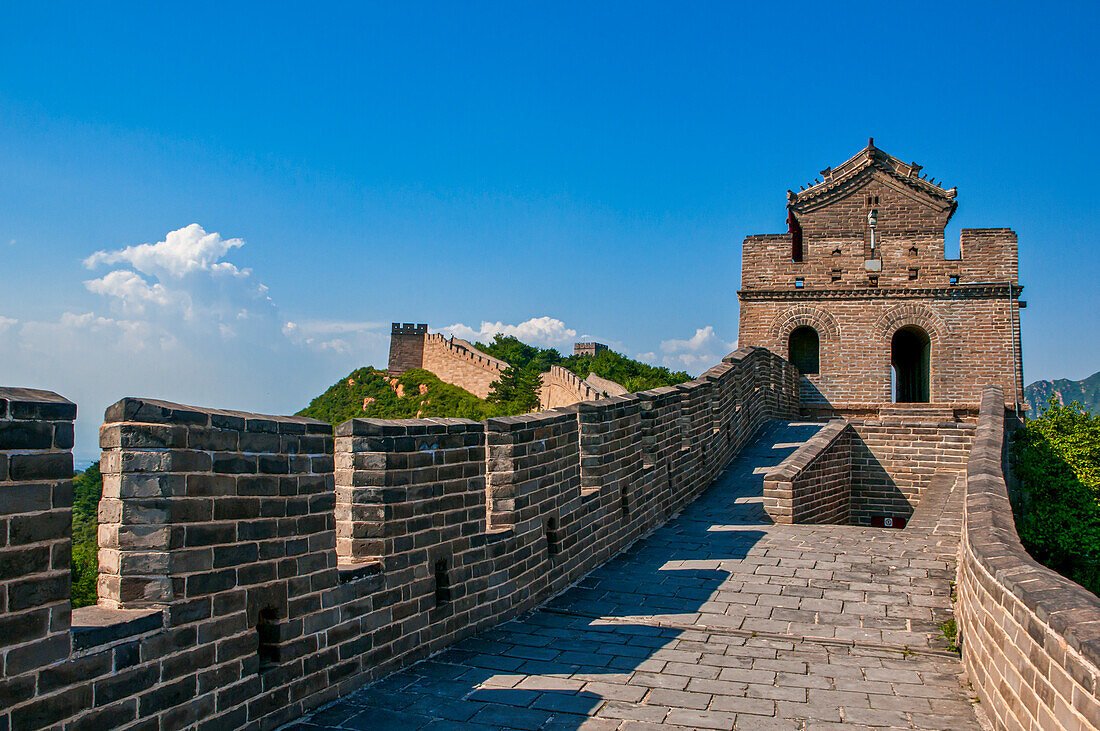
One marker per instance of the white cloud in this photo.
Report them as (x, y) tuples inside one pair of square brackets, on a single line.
[(702, 350), (355, 336), (182, 252), (130, 290), (176, 320), (546, 332)]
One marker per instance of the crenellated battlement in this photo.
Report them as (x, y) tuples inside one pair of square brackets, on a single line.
[(463, 349), (255, 566)]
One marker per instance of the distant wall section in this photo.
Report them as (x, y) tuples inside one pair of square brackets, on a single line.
[(460, 363), (452, 360)]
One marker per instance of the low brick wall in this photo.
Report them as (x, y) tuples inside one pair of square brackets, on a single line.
[(253, 567), (896, 454), (814, 484), (1030, 637)]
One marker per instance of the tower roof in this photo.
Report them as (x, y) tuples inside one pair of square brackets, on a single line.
[(870, 161)]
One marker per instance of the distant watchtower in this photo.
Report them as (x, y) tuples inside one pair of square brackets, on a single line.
[(860, 295), (406, 347), (588, 348)]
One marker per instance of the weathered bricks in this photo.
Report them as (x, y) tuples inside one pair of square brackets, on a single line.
[(35, 528), (1030, 637)]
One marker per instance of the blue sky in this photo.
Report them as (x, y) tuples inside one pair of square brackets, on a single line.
[(564, 169)]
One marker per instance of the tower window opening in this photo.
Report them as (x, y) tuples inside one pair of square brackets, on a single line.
[(442, 582), (910, 351), (267, 633), (803, 348), (794, 228), (552, 546)]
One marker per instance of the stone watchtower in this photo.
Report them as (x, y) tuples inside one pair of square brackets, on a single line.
[(588, 348), (406, 347), (860, 295)]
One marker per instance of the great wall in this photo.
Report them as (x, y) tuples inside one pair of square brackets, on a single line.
[(458, 362), (771, 545)]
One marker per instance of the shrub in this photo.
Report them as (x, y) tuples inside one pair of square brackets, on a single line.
[(87, 490), (1056, 458)]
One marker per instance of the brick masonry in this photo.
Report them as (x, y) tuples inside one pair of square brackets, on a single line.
[(253, 567), (968, 307), (36, 497), (561, 387), (858, 470), (1030, 637), (813, 484)]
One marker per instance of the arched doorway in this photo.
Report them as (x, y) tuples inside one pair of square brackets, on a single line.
[(910, 351), (803, 348)]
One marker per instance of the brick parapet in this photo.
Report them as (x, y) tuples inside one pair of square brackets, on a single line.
[(1030, 637), (459, 363), (813, 484), (258, 594), (192, 498), (36, 470), (562, 387)]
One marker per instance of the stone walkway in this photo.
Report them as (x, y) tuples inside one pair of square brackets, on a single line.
[(718, 620)]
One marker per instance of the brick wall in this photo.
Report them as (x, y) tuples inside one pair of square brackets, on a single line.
[(814, 485), (896, 455), (856, 470), (36, 469), (253, 569), (460, 363), (1029, 636), (561, 387)]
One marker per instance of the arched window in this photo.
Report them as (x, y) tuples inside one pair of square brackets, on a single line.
[(910, 349), (802, 349)]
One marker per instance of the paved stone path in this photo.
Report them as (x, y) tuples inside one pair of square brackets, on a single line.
[(718, 620)]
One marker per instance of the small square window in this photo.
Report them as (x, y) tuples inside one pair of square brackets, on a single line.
[(836, 274), (914, 272), (874, 280), (953, 279), (799, 283)]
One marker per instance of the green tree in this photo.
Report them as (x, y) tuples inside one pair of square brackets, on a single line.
[(87, 491), (1056, 458), (517, 387)]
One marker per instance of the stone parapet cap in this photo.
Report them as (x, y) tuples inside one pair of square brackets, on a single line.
[(154, 411), (405, 427), (33, 403), (804, 456)]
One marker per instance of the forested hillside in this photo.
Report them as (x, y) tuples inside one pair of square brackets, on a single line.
[(370, 393), (1085, 392)]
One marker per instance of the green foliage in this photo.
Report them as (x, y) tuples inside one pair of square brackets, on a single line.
[(517, 389), (950, 631), (370, 393), (87, 490), (1056, 458), (631, 374)]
